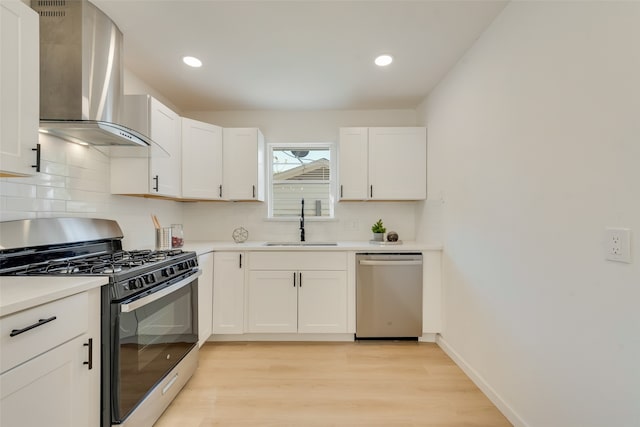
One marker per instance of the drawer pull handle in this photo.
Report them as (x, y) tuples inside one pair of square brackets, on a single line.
[(90, 362), (169, 384), (30, 327)]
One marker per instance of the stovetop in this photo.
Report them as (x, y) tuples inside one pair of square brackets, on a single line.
[(129, 272), (115, 264), (88, 247)]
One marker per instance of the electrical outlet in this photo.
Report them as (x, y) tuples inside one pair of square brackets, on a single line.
[(617, 244)]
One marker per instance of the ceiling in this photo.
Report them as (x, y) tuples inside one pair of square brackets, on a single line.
[(296, 55)]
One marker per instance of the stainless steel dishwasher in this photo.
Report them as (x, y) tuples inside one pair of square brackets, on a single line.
[(389, 295)]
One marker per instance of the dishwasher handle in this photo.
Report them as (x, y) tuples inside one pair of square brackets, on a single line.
[(390, 263)]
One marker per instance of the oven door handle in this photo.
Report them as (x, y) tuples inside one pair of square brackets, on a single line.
[(133, 305)]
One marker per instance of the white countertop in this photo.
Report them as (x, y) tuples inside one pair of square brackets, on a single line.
[(20, 293), (202, 247)]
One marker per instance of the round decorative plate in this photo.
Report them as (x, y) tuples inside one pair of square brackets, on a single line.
[(240, 235)]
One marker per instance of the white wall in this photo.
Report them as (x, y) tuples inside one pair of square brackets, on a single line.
[(216, 221), (534, 147), (305, 126), (134, 85)]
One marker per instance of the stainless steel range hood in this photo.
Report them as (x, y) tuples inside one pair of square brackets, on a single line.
[(81, 75)]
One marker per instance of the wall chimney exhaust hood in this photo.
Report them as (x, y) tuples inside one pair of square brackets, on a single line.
[(81, 75)]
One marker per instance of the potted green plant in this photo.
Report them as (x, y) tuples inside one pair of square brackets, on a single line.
[(378, 230)]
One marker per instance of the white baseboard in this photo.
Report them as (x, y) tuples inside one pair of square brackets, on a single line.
[(482, 384), (281, 337), (428, 337)]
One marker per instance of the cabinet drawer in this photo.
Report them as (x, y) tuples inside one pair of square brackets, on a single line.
[(290, 260), (71, 320)]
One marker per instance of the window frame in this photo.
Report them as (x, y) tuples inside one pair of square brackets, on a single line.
[(333, 178)]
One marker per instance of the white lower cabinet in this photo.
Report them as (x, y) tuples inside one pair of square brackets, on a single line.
[(205, 297), (309, 299), (55, 383), (228, 292), (51, 373)]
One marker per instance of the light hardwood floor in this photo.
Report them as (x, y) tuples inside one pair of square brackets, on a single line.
[(329, 384)]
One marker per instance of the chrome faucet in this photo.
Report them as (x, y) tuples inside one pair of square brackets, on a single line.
[(302, 222)]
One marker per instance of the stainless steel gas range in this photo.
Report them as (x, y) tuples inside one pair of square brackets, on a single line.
[(148, 313)]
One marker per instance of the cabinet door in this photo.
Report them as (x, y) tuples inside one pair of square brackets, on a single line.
[(205, 297), (243, 157), (272, 301), (228, 292), (201, 160), (352, 164), (19, 88), (56, 384), (397, 163), (165, 164), (322, 302)]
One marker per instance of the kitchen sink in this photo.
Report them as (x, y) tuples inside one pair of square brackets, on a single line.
[(301, 244)]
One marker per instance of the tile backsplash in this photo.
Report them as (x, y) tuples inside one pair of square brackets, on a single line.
[(74, 181)]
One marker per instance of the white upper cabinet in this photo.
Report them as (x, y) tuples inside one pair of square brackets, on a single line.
[(383, 163), (243, 157), (19, 88), (353, 166), (158, 171), (201, 160), (398, 163)]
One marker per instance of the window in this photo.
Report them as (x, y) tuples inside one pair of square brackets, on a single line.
[(301, 171)]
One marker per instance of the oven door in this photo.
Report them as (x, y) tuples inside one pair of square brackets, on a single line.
[(151, 334)]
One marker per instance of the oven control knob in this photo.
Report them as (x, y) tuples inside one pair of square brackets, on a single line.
[(136, 283), (131, 285)]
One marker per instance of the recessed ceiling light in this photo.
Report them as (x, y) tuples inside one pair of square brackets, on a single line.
[(192, 61), (383, 60)]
